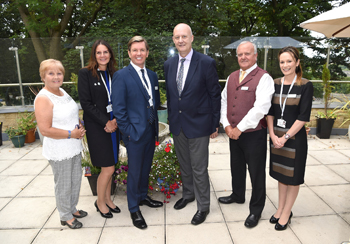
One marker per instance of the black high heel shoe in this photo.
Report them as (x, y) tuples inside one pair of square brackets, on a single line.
[(114, 210), (278, 226), (104, 215), (274, 220)]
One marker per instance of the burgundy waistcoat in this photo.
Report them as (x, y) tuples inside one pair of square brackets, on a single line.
[(239, 101)]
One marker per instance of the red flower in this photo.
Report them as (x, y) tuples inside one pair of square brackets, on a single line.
[(168, 196), (157, 143), (151, 188), (167, 149)]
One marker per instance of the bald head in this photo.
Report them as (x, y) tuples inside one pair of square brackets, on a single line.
[(183, 38)]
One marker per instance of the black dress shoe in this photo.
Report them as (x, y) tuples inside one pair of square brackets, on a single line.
[(229, 199), (278, 226), (180, 204), (138, 220), (75, 224), (199, 217), (274, 220), (151, 203), (82, 214), (104, 215), (252, 220), (114, 210)]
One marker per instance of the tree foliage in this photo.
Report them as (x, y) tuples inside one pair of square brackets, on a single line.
[(56, 19)]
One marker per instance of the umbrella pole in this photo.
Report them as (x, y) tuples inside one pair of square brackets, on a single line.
[(328, 52)]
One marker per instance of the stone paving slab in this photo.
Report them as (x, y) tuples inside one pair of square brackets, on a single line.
[(28, 211)]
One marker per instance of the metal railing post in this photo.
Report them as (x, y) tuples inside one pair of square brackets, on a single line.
[(18, 72)]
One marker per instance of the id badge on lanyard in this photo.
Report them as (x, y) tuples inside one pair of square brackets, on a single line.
[(281, 122), (109, 91)]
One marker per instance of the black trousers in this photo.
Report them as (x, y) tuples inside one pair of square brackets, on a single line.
[(249, 150)]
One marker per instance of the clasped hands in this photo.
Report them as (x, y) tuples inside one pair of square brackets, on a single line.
[(232, 133), (111, 126), (78, 132), (278, 142)]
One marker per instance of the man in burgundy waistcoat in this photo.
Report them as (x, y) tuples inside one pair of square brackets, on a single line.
[(245, 100)]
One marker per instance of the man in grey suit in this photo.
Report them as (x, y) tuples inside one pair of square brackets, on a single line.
[(193, 99)]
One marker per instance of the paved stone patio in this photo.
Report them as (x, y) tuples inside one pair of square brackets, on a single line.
[(321, 213)]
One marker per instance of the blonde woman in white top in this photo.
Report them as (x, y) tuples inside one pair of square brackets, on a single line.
[(58, 120)]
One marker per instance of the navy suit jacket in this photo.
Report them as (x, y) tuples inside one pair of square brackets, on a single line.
[(130, 102), (197, 111)]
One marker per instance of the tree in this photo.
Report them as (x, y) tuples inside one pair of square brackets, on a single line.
[(56, 19)]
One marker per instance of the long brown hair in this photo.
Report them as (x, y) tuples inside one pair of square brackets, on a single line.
[(295, 54), (93, 65)]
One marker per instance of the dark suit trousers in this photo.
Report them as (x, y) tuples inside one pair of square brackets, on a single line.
[(140, 157), (249, 149), (193, 158)]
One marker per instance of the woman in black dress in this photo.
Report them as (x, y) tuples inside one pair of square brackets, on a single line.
[(94, 87), (290, 110)]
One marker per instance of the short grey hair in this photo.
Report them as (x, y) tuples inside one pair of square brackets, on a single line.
[(244, 42)]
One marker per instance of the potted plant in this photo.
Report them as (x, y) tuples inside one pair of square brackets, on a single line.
[(92, 172), (325, 120), (165, 173), (344, 112), (17, 135), (28, 123)]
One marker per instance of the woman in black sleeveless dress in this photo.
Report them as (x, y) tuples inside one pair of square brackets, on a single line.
[(290, 110)]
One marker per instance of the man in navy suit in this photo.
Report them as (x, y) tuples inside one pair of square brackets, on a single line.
[(193, 99), (135, 99)]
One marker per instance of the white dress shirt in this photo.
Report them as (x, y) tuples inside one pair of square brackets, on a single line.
[(148, 87), (186, 66), (262, 104)]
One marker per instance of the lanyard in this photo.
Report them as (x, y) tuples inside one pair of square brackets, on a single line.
[(109, 91), (285, 100), (148, 88)]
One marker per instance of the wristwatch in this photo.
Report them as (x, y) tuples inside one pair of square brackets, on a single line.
[(286, 136)]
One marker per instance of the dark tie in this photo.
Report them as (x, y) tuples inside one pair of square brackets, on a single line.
[(151, 112), (180, 76), (143, 77)]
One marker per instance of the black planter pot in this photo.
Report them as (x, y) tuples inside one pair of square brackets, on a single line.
[(93, 184), (324, 127)]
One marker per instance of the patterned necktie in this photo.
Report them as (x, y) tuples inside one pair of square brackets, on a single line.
[(151, 112), (180, 76), (242, 76), (143, 77)]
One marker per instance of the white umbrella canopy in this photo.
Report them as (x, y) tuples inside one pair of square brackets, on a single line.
[(268, 42), (273, 42), (333, 23)]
